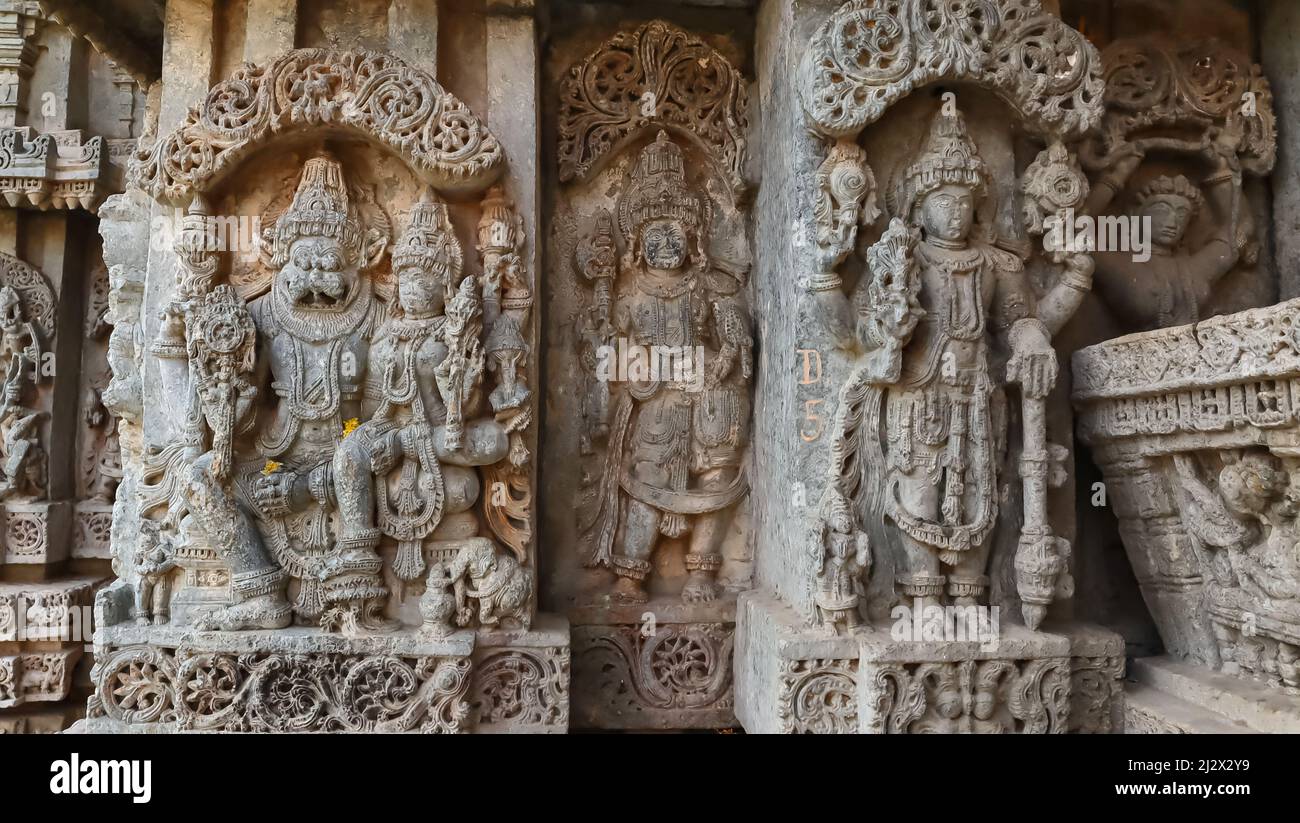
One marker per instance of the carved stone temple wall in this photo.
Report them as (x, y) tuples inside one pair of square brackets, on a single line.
[(69, 114), (480, 366)]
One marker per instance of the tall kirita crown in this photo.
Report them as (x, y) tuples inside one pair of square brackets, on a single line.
[(429, 243), (320, 208), (948, 157), (658, 190)]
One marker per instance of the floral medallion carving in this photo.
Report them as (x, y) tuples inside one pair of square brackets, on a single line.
[(872, 53), (276, 692), (680, 676), (819, 697), (523, 687)]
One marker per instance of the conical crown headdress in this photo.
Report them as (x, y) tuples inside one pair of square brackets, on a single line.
[(320, 208), (948, 157), (429, 244), (658, 190)]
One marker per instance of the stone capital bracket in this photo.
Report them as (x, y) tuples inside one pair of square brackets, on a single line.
[(373, 95), (60, 170)]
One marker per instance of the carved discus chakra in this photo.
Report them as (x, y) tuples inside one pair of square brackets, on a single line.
[(872, 53), (658, 75), (392, 103)]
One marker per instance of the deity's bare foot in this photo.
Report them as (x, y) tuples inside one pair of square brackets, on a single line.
[(265, 611), (965, 601), (628, 591), (699, 588)]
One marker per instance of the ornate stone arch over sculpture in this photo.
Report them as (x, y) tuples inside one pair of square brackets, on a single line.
[(374, 95), (1155, 86), (655, 77), (416, 363), (38, 298), (872, 53)]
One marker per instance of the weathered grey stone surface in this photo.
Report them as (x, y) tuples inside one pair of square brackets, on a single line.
[(326, 326), (1176, 696), (650, 263), (66, 115), (336, 428)]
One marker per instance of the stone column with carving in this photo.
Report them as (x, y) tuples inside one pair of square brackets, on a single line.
[(906, 540), (58, 453)]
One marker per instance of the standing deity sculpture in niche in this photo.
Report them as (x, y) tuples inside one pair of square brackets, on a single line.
[(22, 458), (947, 320), (349, 421), (670, 439)]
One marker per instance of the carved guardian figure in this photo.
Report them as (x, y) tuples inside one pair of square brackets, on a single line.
[(672, 462)]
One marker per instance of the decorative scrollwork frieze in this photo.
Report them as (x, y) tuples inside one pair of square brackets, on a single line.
[(377, 94)]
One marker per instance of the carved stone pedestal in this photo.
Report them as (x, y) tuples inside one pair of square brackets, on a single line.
[(797, 679), (44, 631), (166, 679), (664, 664), (36, 533), (1170, 696)]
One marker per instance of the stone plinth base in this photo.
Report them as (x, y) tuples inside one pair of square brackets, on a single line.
[(792, 678), (163, 679), (1170, 696), (659, 665)]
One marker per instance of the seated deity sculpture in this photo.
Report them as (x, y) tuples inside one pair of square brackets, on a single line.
[(401, 473)]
